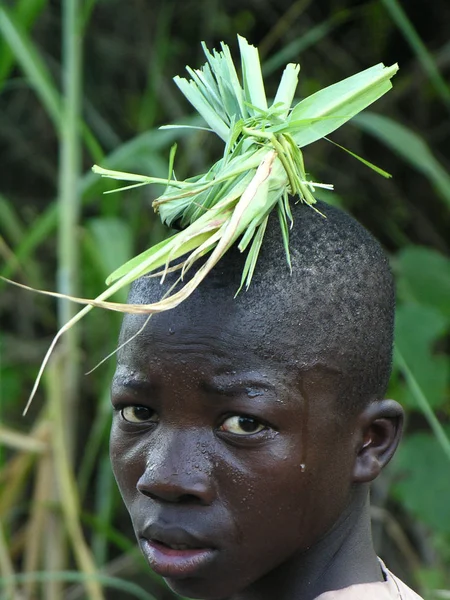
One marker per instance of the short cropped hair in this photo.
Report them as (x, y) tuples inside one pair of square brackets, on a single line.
[(337, 306)]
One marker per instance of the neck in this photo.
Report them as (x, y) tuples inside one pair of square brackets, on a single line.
[(343, 557)]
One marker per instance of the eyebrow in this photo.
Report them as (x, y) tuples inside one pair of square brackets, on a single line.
[(249, 387), (133, 384)]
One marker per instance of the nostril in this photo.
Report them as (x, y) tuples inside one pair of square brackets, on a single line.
[(190, 499), (186, 490), (170, 496)]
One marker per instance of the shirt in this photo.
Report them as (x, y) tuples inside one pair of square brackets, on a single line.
[(390, 589)]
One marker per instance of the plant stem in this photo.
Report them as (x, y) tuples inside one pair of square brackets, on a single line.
[(69, 208), (68, 493), (6, 567), (67, 275), (424, 405)]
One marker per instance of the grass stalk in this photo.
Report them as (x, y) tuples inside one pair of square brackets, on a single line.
[(13, 476), (36, 523), (6, 567), (65, 386), (69, 208), (67, 489), (425, 57)]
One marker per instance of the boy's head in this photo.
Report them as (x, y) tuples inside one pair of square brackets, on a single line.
[(246, 427)]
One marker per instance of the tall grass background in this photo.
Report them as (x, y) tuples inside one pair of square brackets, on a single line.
[(84, 81)]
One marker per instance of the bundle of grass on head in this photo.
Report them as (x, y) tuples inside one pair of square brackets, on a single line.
[(261, 169), (262, 166)]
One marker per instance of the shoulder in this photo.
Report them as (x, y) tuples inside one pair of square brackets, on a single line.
[(390, 589), (398, 587)]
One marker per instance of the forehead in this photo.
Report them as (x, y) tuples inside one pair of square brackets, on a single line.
[(222, 342), (279, 325), (220, 349)]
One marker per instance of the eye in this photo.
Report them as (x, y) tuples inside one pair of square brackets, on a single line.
[(242, 425), (138, 414)]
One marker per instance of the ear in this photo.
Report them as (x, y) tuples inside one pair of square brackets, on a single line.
[(380, 430)]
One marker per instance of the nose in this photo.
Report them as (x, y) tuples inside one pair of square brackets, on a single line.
[(178, 470)]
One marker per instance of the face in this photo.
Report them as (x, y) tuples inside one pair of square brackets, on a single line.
[(230, 459)]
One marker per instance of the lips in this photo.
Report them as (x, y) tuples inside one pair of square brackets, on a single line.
[(175, 553), (175, 546)]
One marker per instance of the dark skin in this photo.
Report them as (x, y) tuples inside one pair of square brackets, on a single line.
[(242, 477)]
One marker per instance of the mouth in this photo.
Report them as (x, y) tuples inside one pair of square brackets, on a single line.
[(173, 546), (176, 554)]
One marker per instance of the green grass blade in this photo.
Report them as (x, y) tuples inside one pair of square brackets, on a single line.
[(10, 223), (233, 79), (38, 76), (342, 101), (170, 173), (283, 218), (123, 176), (157, 255), (287, 88), (252, 257), (104, 508), (205, 83), (423, 54), (252, 75), (196, 98), (195, 127), (29, 59), (423, 403), (410, 146), (361, 159), (26, 12), (137, 260), (131, 153)]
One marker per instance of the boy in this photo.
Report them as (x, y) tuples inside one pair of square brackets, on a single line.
[(247, 430)]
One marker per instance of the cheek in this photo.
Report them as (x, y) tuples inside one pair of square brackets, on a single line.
[(128, 463), (280, 505), (268, 497)]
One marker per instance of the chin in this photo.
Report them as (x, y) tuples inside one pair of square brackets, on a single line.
[(197, 588)]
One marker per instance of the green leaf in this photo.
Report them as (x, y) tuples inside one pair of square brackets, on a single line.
[(196, 98), (233, 79), (38, 75), (141, 152), (283, 214), (417, 329), (424, 277), (30, 60), (252, 75), (10, 223), (421, 481), (137, 260), (339, 103), (252, 256), (26, 12), (410, 146), (286, 90)]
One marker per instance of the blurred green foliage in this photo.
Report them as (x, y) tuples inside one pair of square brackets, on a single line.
[(131, 52)]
